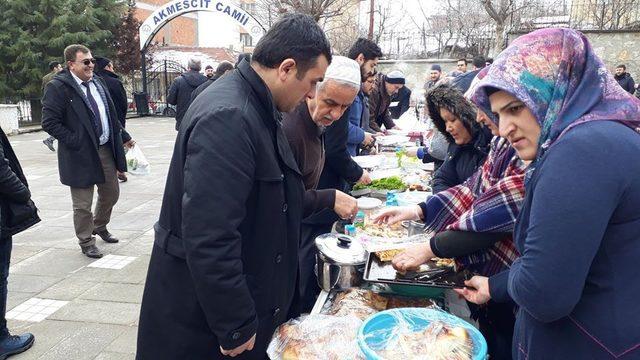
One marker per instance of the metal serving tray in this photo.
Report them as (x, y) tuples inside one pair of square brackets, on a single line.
[(380, 272)]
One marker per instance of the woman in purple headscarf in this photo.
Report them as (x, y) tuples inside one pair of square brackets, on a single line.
[(578, 233)]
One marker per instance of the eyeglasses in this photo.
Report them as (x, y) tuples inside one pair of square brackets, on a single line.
[(86, 62)]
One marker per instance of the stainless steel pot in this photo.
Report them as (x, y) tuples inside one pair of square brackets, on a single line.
[(340, 262)]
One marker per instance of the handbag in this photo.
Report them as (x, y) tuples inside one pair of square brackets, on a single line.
[(18, 217)]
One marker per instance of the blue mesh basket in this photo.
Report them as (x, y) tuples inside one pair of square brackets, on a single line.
[(379, 329)]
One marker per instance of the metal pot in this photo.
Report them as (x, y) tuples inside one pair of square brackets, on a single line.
[(340, 262)]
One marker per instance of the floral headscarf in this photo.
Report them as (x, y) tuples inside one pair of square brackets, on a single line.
[(556, 73)]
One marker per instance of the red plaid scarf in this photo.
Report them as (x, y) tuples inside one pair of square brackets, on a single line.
[(489, 201)]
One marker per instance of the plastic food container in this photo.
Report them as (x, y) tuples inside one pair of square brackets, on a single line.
[(382, 328)]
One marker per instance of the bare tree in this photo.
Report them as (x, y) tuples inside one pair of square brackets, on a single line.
[(501, 12), (610, 14), (269, 10), (338, 18)]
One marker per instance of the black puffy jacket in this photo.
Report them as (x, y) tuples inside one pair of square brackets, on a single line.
[(462, 160), (180, 92), (13, 189)]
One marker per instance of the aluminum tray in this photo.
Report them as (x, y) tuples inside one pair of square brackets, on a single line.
[(380, 272)]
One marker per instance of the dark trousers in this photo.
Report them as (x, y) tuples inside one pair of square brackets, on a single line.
[(309, 288), (5, 260), (496, 322)]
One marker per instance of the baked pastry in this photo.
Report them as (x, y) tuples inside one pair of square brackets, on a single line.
[(388, 255), (399, 302), (359, 303), (316, 337)]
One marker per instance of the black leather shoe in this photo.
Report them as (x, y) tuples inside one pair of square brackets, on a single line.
[(91, 251), (106, 236), (15, 344)]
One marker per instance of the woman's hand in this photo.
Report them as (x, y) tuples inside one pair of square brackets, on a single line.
[(412, 258), (394, 214), (480, 292)]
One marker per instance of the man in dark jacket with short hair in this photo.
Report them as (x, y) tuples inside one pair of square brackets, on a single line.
[(104, 69), (624, 79), (78, 111), (463, 81), (14, 194), (223, 68), (224, 267), (182, 87)]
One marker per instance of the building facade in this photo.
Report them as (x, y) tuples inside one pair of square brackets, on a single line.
[(181, 31)]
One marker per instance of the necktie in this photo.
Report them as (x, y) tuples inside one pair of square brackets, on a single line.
[(97, 124)]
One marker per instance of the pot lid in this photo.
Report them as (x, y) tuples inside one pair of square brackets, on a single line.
[(341, 249)]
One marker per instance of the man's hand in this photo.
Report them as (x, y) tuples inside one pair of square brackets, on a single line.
[(129, 144), (248, 346), (368, 139), (365, 179), (345, 206)]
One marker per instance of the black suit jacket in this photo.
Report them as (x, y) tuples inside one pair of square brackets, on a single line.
[(67, 117)]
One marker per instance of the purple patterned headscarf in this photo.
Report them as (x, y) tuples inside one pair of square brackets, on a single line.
[(556, 73)]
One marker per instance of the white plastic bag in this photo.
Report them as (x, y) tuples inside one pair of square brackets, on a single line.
[(137, 163)]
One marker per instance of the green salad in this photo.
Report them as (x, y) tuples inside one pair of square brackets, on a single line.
[(389, 183)]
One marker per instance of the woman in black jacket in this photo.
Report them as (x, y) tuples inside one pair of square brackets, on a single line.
[(18, 213), (468, 141)]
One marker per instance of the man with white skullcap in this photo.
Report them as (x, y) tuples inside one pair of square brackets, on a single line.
[(305, 129)]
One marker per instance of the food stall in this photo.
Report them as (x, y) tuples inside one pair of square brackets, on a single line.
[(368, 310)]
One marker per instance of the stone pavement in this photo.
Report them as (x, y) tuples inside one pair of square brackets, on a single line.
[(99, 309)]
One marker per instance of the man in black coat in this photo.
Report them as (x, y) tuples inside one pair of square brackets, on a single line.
[(14, 194), (104, 69), (624, 79), (224, 266), (463, 81), (182, 87), (222, 69), (78, 111)]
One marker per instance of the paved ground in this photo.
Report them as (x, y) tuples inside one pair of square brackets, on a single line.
[(98, 307)]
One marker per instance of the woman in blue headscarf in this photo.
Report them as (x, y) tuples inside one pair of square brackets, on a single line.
[(576, 282)]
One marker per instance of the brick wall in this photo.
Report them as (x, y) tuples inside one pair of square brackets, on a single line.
[(181, 31)]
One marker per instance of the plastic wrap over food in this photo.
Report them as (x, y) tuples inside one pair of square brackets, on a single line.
[(322, 337), (413, 333)]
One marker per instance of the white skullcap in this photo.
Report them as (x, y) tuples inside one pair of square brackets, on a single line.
[(345, 70)]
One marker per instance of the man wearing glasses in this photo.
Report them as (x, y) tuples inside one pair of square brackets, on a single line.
[(78, 111)]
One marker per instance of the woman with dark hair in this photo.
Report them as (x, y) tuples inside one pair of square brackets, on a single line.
[(468, 141), (576, 282)]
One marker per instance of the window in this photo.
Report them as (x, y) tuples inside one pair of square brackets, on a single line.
[(246, 39), (250, 8)]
